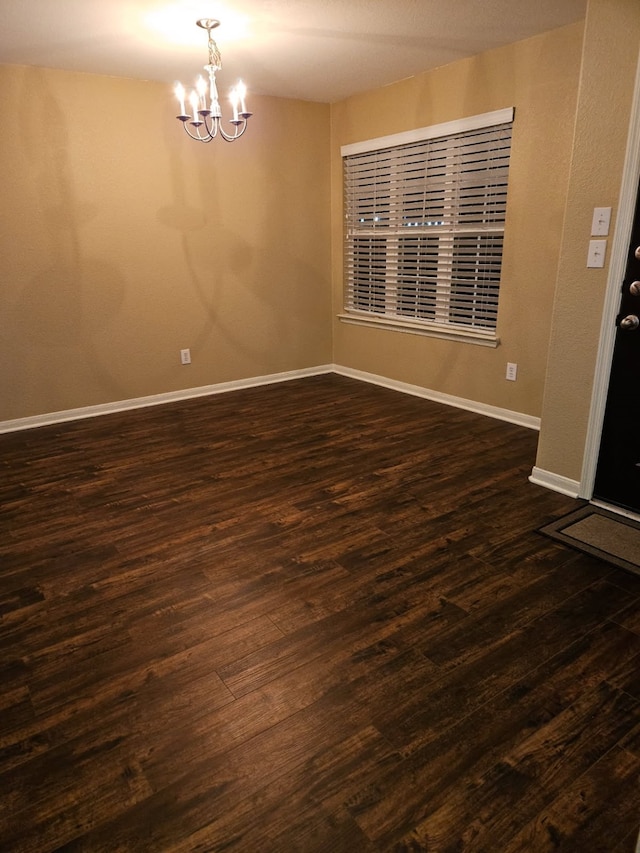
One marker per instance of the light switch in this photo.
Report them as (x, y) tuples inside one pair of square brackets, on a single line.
[(601, 221), (597, 251)]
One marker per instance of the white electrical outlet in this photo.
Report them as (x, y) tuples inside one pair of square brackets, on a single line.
[(512, 371), (185, 356)]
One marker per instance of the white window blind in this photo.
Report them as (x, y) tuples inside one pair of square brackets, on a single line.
[(425, 225)]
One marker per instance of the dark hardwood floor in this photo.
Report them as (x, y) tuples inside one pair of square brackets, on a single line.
[(314, 616)]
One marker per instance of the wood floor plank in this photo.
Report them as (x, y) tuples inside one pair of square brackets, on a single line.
[(445, 765), (267, 822), (496, 803), (516, 604), (503, 662), (577, 819), (308, 616)]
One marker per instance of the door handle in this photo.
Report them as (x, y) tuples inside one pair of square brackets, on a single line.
[(629, 323), (634, 288)]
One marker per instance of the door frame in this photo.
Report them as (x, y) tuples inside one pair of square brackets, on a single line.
[(617, 266)]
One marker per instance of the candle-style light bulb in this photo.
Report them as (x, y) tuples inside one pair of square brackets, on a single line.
[(241, 89), (193, 98), (201, 86), (179, 92), (235, 99)]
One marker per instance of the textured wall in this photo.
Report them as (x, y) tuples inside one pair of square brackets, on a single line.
[(122, 241), (611, 45), (539, 77)]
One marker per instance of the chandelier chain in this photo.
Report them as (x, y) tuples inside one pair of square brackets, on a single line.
[(215, 59)]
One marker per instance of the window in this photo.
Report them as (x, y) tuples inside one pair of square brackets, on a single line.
[(425, 214)]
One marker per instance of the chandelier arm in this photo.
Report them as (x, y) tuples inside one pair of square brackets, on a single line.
[(210, 133), (238, 133), (210, 127)]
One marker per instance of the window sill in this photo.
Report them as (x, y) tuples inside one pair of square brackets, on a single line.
[(467, 336)]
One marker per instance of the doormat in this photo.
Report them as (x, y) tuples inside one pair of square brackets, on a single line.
[(601, 534)]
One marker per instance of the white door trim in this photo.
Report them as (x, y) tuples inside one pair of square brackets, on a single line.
[(619, 249)]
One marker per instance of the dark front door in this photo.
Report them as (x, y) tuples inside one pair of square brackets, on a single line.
[(618, 471)]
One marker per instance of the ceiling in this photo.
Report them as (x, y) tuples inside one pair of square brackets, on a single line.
[(318, 50)]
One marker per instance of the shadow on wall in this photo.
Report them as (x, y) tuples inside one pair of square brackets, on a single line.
[(72, 296), (198, 226), (236, 260)]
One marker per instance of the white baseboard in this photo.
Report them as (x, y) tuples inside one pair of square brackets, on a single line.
[(156, 399), (438, 397), (555, 482), (222, 387)]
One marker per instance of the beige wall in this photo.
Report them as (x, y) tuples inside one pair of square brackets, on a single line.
[(539, 77), (611, 45), (122, 241)]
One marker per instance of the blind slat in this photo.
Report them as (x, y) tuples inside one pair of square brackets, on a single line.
[(424, 227)]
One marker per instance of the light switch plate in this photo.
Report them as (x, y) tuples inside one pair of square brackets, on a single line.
[(601, 221), (597, 252)]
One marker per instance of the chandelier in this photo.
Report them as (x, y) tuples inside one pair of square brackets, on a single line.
[(205, 121)]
